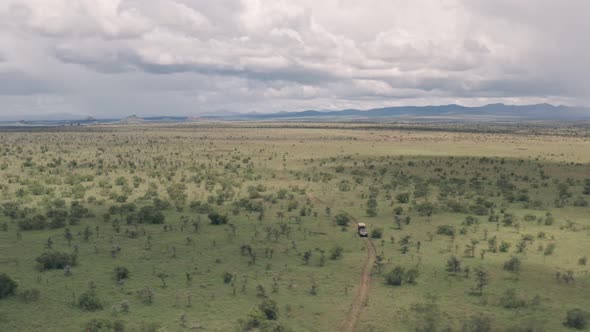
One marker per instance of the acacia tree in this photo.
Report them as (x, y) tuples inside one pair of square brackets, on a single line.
[(481, 280), (453, 265), (513, 265)]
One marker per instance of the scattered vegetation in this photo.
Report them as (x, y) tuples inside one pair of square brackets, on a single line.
[(255, 228)]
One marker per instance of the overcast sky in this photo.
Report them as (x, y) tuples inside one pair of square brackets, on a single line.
[(113, 58)]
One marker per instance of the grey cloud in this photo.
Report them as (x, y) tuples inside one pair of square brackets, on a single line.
[(19, 83), (183, 56)]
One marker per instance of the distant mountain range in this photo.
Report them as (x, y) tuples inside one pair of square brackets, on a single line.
[(457, 112), (446, 113)]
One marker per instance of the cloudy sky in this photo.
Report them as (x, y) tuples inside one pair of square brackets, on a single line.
[(112, 58)]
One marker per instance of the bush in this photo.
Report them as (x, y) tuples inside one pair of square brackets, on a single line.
[(7, 286), (376, 233), (37, 222), (479, 209), (577, 319), (270, 309), (227, 277), (395, 277), (446, 230), (411, 276), (504, 246), (217, 219), (403, 198), (341, 219), (50, 260), (253, 321), (453, 265), (336, 252), (398, 275), (89, 301), (150, 215), (512, 265), (30, 295), (121, 273), (198, 207), (100, 325), (470, 220), (511, 301), (425, 209), (162, 204), (478, 324)]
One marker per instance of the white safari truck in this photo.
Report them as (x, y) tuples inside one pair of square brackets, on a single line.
[(362, 229)]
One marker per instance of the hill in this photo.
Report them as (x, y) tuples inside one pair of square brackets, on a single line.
[(448, 112)]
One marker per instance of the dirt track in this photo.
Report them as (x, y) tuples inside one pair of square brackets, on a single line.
[(362, 295), (360, 301)]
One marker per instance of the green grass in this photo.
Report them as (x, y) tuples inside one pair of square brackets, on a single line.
[(206, 160)]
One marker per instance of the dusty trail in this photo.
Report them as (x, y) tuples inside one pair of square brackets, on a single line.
[(362, 295), (352, 317)]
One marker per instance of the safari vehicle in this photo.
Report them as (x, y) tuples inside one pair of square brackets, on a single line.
[(362, 230)]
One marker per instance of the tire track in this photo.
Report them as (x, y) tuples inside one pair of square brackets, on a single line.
[(362, 296)]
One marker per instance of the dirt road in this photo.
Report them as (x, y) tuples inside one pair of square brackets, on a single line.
[(360, 301)]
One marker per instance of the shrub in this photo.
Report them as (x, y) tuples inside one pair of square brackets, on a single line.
[(455, 206), (99, 325), (198, 207), (270, 309), (425, 209), (89, 301), (395, 277), (50, 260), (411, 276), (549, 249), (30, 295), (446, 230), (162, 204), (479, 209), (7, 286), (470, 220), (376, 233), (453, 265), (504, 246), (403, 198), (121, 273), (253, 321), (336, 252), (398, 275), (341, 219), (37, 222), (227, 277), (150, 215), (478, 324), (577, 319), (217, 219), (512, 265), (511, 301), (77, 210)]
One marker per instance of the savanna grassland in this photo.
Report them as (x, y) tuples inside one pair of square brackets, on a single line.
[(213, 227)]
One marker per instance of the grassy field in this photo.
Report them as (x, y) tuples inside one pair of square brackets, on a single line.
[(143, 198)]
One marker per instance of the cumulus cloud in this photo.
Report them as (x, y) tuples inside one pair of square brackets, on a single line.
[(114, 57)]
